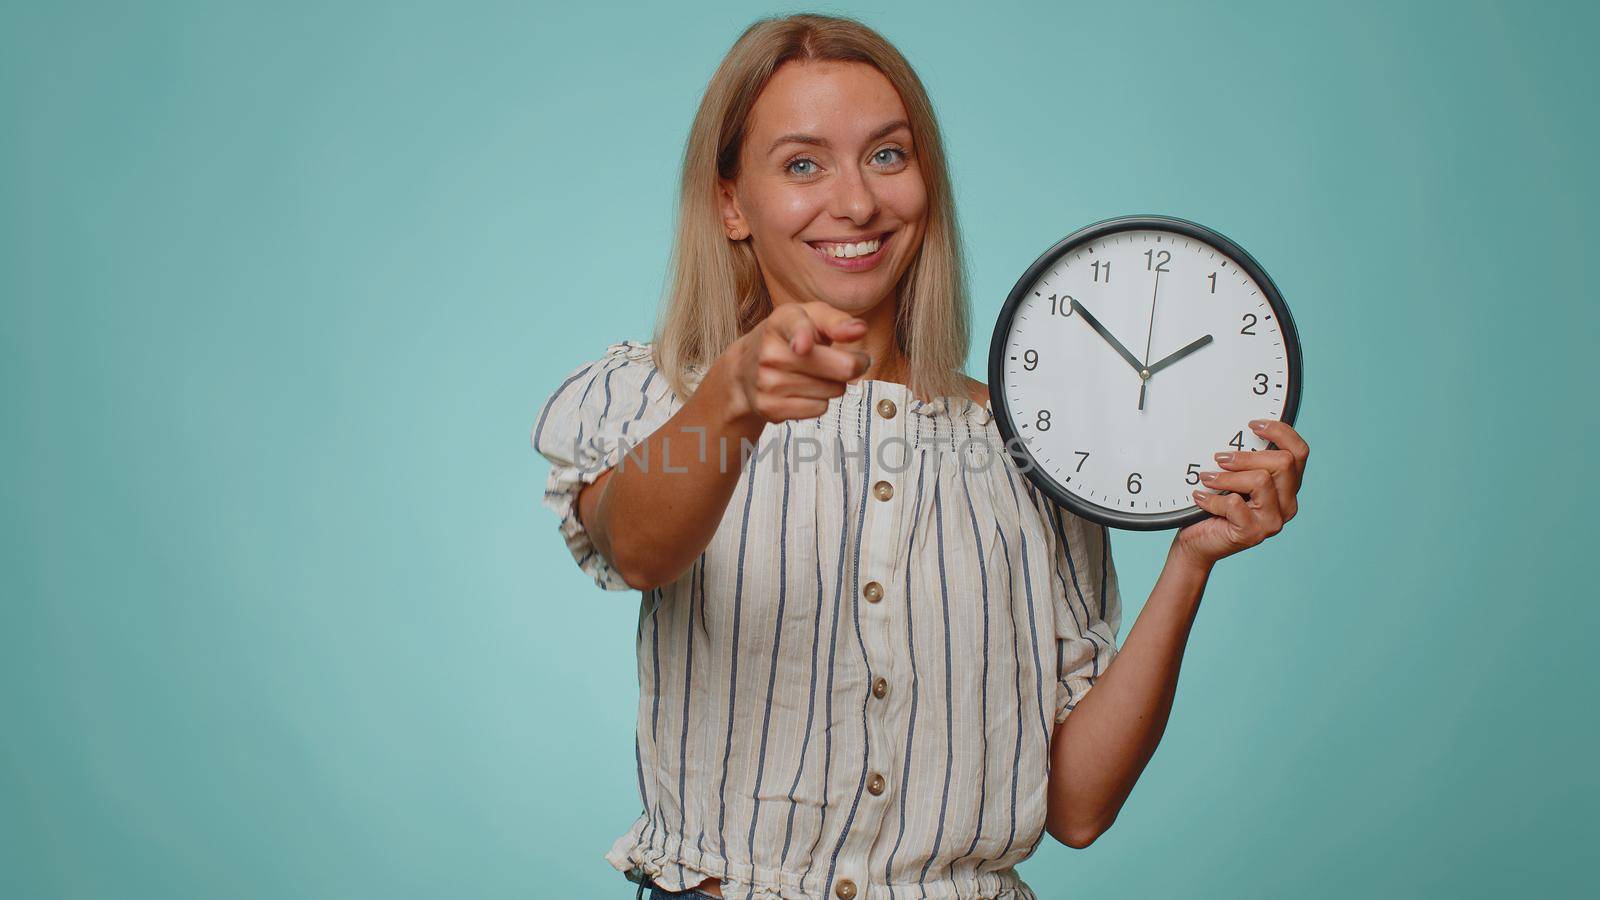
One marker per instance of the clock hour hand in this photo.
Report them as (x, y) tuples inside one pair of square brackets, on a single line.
[(1117, 345), (1171, 358)]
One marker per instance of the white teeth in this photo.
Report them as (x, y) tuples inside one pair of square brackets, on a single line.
[(851, 251)]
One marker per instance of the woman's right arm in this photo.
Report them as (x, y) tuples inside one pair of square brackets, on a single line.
[(651, 523)]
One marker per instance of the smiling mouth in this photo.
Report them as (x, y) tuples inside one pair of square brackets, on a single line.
[(852, 254)]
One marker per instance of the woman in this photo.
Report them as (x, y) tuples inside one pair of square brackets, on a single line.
[(866, 644)]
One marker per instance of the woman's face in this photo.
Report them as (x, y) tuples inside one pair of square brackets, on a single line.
[(827, 164)]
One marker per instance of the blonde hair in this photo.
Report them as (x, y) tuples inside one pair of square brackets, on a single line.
[(716, 291)]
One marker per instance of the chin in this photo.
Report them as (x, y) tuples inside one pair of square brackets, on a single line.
[(854, 304)]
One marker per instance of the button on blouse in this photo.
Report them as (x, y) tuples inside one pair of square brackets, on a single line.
[(852, 690)]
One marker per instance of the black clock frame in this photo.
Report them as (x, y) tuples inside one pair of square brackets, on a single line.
[(997, 359)]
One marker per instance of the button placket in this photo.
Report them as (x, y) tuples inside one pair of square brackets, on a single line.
[(881, 568), (881, 551)]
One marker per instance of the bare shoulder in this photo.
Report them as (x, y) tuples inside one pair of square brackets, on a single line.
[(977, 390)]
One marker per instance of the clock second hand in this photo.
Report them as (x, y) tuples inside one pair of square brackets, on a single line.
[(1144, 373)]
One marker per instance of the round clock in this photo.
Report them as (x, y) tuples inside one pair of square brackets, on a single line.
[(1127, 355)]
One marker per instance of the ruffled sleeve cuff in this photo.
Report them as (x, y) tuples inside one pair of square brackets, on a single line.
[(598, 414), (1088, 607)]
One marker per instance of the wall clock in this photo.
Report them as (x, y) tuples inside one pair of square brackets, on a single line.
[(1127, 355)]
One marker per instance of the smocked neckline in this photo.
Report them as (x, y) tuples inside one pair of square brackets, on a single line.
[(945, 404)]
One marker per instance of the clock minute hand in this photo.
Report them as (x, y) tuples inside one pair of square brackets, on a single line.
[(1116, 344), (1193, 345)]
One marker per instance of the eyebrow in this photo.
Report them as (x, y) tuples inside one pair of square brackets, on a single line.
[(797, 138)]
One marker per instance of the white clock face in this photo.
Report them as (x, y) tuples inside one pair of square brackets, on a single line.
[(1191, 351)]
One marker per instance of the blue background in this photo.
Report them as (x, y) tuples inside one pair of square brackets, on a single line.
[(283, 285)]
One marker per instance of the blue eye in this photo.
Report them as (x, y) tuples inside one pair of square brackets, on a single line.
[(895, 152), (802, 161)]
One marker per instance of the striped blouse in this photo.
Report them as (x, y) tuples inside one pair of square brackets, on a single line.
[(851, 692)]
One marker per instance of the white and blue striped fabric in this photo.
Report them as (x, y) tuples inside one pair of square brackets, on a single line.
[(852, 691)]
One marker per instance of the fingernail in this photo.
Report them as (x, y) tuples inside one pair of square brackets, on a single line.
[(1208, 477), (1199, 495), (1258, 424), (1223, 457)]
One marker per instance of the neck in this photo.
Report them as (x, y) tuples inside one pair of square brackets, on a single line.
[(888, 363)]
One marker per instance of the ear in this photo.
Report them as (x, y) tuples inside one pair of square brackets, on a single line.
[(733, 223)]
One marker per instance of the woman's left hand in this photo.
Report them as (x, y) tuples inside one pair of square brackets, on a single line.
[(1264, 484)]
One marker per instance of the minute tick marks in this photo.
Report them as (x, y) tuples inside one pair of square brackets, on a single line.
[(1122, 465)]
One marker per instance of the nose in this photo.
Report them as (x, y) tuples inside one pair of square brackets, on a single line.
[(852, 197)]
